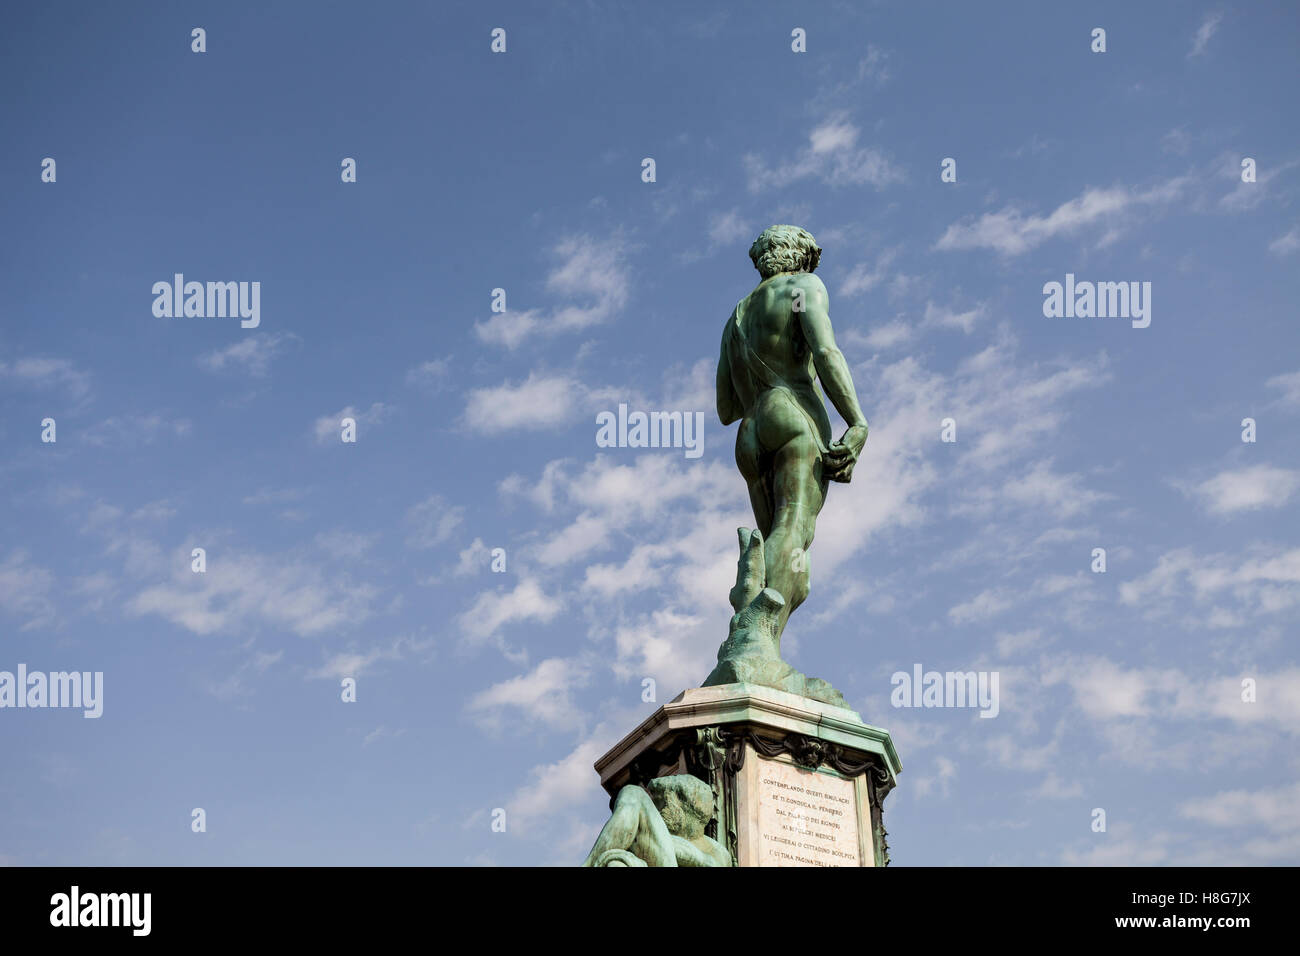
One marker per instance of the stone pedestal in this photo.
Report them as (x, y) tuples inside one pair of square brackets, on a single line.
[(796, 782)]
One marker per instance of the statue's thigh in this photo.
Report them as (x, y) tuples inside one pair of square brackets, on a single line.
[(749, 452)]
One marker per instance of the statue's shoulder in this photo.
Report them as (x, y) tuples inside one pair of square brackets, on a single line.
[(733, 320), (806, 280)]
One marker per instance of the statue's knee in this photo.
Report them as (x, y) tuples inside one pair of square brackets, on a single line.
[(633, 797)]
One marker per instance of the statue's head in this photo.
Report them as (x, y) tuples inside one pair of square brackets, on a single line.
[(784, 249), (685, 803)]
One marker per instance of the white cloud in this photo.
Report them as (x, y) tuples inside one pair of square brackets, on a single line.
[(544, 694), (617, 496), (1204, 32), (674, 649), (691, 388), (831, 156), (864, 276), (154, 511), (1263, 582), (1050, 491), (884, 336), (432, 374), (345, 545), (1069, 594), (494, 610), (431, 522), (472, 559), (244, 589), (1106, 690), (1286, 243), (951, 319), (128, 430), (540, 491), (1011, 232), (945, 772), (982, 606), (46, 373), (1247, 489), (538, 402), (1246, 196), (1277, 810), (1013, 643), (1289, 385), (874, 66), (253, 352), (1002, 411), (25, 590), (1122, 845), (1054, 788), (239, 684), (354, 663), (592, 272), (557, 788), (727, 228)]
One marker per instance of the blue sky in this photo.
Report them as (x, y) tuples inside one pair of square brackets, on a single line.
[(475, 171)]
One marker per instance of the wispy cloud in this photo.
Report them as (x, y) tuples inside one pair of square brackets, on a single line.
[(1286, 244), (128, 430), (1247, 489), (538, 402), (494, 610), (46, 373), (1261, 583), (544, 694), (245, 589), (354, 663), (831, 156), (1012, 232), (26, 591), (432, 521), (591, 276), (252, 353), (433, 374), (1204, 33), (1289, 386)]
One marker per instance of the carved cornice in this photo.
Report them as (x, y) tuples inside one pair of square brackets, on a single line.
[(771, 711), (806, 751)]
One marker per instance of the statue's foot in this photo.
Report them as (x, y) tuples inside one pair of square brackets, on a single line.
[(818, 689), (776, 674), (753, 670), (751, 654)]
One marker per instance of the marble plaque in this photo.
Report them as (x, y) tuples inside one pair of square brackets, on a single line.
[(805, 818)]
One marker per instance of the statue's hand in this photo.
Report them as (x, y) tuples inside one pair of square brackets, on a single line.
[(838, 462)]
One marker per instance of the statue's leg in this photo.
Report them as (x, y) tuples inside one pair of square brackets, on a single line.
[(780, 458), (799, 495), (635, 825), (749, 453)]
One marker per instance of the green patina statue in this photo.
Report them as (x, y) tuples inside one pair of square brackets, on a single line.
[(660, 824), (777, 344)]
